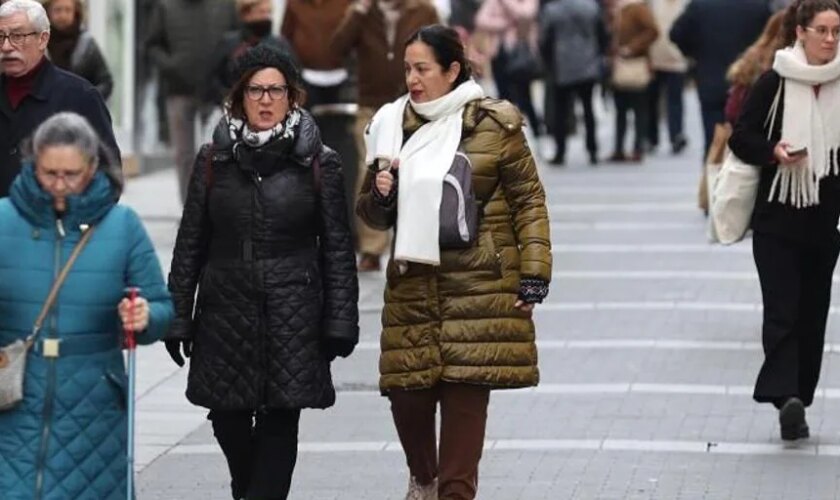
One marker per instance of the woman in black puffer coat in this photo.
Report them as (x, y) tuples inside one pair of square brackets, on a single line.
[(266, 241)]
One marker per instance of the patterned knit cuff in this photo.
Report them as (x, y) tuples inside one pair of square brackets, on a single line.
[(533, 290), (384, 201)]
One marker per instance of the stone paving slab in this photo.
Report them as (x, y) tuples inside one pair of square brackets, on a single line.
[(530, 475)]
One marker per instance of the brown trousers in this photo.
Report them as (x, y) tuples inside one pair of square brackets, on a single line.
[(463, 418), (370, 241)]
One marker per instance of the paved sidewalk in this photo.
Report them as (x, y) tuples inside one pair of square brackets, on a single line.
[(649, 345)]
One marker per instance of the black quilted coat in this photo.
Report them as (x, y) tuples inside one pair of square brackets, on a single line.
[(265, 239)]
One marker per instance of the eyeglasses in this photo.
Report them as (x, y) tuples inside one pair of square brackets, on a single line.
[(275, 92), (823, 32), (71, 179), (15, 39)]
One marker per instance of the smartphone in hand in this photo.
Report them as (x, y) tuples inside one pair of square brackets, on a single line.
[(797, 152)]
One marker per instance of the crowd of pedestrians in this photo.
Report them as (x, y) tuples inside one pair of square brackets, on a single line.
[(263, 290)]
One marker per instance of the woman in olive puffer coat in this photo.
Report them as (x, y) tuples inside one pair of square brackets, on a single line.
[(457, 322)]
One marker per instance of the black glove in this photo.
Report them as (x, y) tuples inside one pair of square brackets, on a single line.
[(337, 347), (174, 349), (179, 336)]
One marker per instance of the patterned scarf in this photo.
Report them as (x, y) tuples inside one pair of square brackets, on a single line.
[(241, 133)]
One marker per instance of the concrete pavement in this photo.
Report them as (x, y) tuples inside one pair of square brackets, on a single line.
[(649, 345)]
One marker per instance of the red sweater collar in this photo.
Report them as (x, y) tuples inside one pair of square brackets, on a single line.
[(18, 88)]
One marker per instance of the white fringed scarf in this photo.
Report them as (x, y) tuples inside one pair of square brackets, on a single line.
[(424, 161), (809, 121)]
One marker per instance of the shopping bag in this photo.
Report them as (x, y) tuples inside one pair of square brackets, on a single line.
[(733, 199), (714, 163)]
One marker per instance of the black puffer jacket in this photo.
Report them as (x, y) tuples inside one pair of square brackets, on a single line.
[(274, 264)]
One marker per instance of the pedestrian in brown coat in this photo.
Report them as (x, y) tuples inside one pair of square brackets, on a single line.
[(377, 31), (634, 31)]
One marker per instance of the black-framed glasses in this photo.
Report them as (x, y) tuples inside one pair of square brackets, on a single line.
[(275, 92), (15, 38)]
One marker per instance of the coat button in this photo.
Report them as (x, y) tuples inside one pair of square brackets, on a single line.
[(36, 234), (13, 151)]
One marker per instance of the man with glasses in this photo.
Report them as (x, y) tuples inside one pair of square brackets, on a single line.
[(32, 89)]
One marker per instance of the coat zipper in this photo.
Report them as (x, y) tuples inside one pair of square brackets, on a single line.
[(263, 305), (51, 375)]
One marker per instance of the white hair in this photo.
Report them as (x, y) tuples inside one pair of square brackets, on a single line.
[(34, 12), (67, 129)]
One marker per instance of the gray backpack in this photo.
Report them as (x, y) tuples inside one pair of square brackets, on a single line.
[(459, 211)]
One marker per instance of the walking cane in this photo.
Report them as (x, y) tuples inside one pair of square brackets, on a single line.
[(131, 344)]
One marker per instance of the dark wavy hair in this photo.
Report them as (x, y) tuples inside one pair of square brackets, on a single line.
[(801, 13), (446, 46), (254, 60)]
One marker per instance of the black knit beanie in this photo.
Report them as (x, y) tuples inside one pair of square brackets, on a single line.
[(263, 56)]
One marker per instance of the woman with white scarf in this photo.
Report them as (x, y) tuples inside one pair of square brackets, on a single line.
[(457, 317), (795, 237)]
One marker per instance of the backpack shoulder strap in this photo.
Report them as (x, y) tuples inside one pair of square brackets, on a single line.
[(316, 172), (207, 151)]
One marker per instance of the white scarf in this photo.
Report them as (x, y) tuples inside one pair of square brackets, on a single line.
[(809, 121), (424, 160)]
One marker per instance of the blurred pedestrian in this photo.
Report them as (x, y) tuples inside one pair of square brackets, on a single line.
[(795, 238), (309, 26), (181, 40), (366, 24), (669, 69), (264, 238), (444, 9), (747, 69), (457, 317), (72, 47), (714, 33), (255, 29), (67, 437), (462, 19), (513, 51), (634, 31), (32, 89), (573, 43)]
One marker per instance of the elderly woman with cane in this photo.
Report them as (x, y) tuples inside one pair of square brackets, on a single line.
[(453, 175), (66, 438)]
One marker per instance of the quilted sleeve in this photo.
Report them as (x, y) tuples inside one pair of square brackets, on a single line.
[(191, 246), (338, 259), (526, 198), (373, 212), (144, 271)]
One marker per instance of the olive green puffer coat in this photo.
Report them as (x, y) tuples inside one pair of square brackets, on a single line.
[(457, 322)]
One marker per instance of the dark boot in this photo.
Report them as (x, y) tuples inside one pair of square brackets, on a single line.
[(792, 420), (234, 432)]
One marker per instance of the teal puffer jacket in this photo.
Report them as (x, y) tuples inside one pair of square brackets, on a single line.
[(67, 439)]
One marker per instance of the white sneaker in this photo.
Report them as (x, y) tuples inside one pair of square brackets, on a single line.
[(416, 491)]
